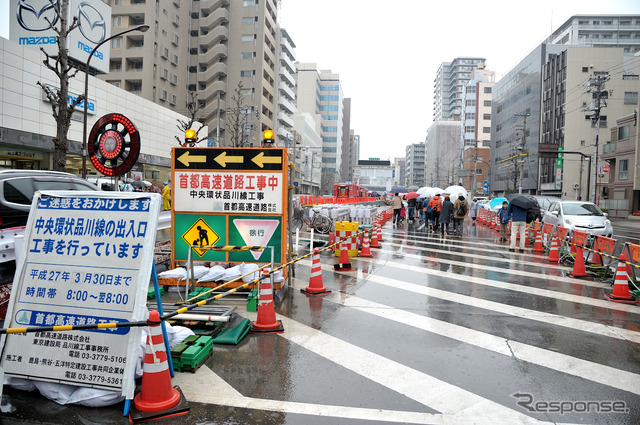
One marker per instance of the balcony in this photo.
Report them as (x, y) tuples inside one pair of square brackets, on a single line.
[(213, 55), (209, 6), (213, 73), (286, 90), (283, 118), (214, 19), (288, 106), (215, 36)]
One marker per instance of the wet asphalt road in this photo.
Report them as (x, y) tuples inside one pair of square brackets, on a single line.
[(432, 329)]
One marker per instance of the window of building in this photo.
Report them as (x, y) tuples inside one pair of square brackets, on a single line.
[(623, 172), (330, 117), (585, 69), (329, 129), (248, 20), (117, 21), (471, 102), (329, 88), (583, 143), (247, 92), (486, 116), (329, 98), (248, 37), (115, 43), (247, 55), (623, 132), (487, 89), (631, 98), (249, 3), (486, 130), (328, 107), (487, 103), (246, 74)]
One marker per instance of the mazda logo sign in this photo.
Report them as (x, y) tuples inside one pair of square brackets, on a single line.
[(32, 19), (91, 22)]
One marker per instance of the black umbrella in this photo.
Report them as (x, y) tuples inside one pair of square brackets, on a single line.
[(521, 201)]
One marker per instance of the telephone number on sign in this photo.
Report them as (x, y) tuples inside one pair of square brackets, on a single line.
[(99, 379), (103, 357)]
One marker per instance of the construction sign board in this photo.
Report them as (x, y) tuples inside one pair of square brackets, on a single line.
[(86, 259), (229, 196)]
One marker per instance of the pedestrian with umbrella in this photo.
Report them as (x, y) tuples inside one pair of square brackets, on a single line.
[(412, 204), (517, 209)]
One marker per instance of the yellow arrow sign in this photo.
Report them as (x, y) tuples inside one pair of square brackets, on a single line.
[(260, 159), (186, 159), (223, 159)]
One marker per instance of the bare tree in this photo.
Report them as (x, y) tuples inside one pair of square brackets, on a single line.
[(234, 124), (193, 107), (59, 98)]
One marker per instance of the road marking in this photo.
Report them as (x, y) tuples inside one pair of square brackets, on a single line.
[(602, 374), (548, 318), (428, 390)]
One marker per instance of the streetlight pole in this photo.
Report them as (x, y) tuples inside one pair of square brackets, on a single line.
[(141, 28)]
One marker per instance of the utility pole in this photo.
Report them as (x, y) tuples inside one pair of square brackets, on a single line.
[(522, 147), (599, 96), (475, 167)]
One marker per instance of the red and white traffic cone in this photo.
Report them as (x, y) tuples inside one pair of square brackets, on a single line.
[(157, 399), (538, 247), (553, 252), (578, 265), (343, 262), (266, 322), (380, 233), (621, 293), (365, 251), (374, 237), (527, 240), (315, 281)]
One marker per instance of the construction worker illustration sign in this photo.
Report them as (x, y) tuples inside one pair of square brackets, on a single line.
[(229, 196)]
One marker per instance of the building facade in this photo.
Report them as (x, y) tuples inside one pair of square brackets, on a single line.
[(448, 87), (375, 175), (415, 172), (320, 95), (443, 154)]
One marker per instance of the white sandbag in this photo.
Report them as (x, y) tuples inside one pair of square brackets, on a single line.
[(179, 273), (246, 268), (21, 384), (231, 273), (198, 272), (277, 276), (214, 274)]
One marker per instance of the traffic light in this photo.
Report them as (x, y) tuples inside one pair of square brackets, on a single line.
[(268, 139), (190, 138)]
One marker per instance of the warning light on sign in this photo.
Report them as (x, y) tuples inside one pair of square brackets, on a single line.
[(268, 139)]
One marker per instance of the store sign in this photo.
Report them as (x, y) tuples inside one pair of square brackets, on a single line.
[(87, 261), (91, 104)]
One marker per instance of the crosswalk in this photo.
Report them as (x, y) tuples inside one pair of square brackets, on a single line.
[(459, 331)]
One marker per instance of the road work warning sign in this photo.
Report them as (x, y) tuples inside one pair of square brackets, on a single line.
[(87, 259)]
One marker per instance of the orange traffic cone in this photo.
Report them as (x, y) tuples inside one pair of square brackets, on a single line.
[(538, 247), (380, 233), (266, 322), (365, 251), (343, 262), (315, 282), (553, 252), (527, 240), (374, 237), (157, 399), (578, 265), (621, 292)]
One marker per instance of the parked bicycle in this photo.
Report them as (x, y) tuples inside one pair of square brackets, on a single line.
[(321, 223)]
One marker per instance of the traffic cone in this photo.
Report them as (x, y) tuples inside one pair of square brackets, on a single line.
[(538, 247), (343, 262), (315, 282), (157, 399), (266, 322), (621, 292), (578, 265), (527, 240), (365, 251), (596, 259), (374, 237), (380, 233), (553, 252)]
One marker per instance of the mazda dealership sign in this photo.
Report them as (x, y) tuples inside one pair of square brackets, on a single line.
[(32, 21)]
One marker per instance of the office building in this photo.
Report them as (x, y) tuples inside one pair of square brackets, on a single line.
[(443, 154), (415, 172), (320, 95)]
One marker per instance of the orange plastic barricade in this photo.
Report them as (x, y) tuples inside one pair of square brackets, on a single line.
[(562, 237), (602, 245), (579, 238), (633, 254), (547, 233)]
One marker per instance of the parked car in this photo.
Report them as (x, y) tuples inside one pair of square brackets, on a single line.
[(17, 188), (579, 215), (544, 201)]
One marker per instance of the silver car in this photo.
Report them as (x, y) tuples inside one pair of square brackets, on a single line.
[(579, 215)]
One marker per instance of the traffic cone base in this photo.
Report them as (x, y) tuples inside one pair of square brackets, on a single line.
[(316, 286), (621, 293), (182, 408), (343, 262)]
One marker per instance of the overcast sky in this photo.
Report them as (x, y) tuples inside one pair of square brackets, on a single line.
[(388, 52)]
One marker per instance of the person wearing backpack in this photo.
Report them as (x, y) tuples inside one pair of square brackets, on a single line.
[(460, 210), (434, 209)]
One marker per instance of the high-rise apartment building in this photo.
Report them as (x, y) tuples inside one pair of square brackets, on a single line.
[(414, 171), (320, 94), (448, 87), (286, 93), (207, 48)]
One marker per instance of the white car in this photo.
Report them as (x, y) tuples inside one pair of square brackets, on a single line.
[(579, 215)]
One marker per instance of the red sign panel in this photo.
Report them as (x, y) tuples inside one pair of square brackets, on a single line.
[(634, 252), (562, 232), (604, 244), (548, 228), (579, 237)]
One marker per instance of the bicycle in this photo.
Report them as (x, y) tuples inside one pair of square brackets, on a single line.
[(319, 222)]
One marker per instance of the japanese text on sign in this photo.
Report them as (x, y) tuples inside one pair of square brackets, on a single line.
[(225, 192)]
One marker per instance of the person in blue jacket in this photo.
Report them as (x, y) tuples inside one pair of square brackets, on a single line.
[(518, 224)]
